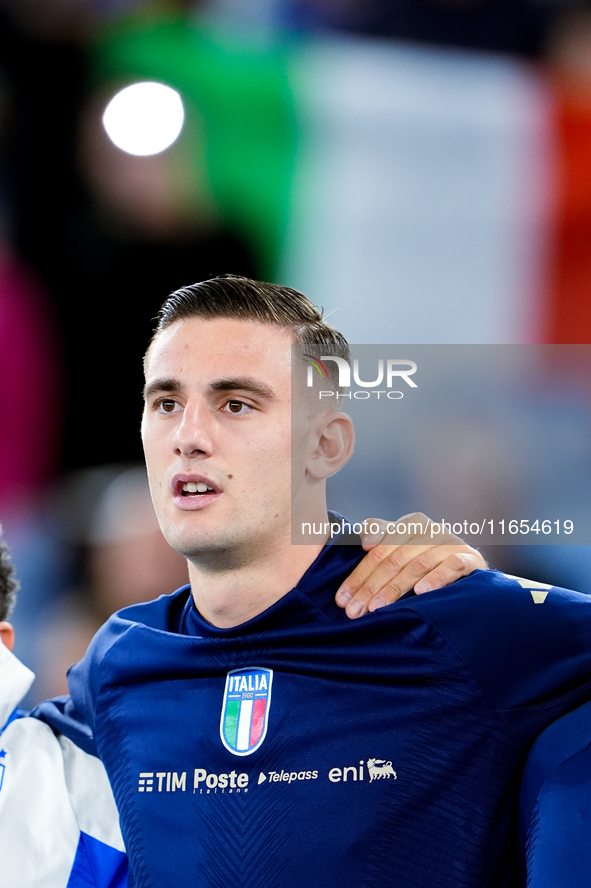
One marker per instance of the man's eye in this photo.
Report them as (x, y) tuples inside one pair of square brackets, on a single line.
[(237, 407), (165, 405)]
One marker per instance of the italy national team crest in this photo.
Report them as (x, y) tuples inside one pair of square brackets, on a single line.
[(245, 710)]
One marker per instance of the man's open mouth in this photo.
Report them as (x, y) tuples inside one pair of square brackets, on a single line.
[(195, 488)]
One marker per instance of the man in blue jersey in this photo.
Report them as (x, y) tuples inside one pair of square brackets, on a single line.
[(251, 732), (555, 805), (58, 821)]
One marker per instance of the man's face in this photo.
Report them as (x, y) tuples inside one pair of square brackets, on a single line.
[(216, 431)]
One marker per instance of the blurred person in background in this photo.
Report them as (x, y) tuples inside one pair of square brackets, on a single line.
[(81, 210), (124, 560), (31, 428), (31, 379), (59, 825), (149, 223)]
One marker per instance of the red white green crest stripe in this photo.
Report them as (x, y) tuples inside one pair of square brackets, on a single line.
[(245, 709)]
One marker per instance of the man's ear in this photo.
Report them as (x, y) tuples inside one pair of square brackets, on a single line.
[(334, 441), (7, 635)]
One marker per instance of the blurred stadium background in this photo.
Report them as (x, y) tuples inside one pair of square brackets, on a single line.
[(421, 168)]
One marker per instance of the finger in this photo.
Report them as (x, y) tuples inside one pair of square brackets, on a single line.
[(406, 567), (416, 528), (460, 564), (416, 563), (397, 561), (375, 536), (364, 570), (434, 567), (380, 567)]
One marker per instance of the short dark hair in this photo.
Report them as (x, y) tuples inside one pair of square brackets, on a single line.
[(232, 296), (8, 582)]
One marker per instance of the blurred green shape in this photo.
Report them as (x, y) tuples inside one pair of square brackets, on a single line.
[(238, 94)]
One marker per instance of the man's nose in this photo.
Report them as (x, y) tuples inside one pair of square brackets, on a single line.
[(193, 436)]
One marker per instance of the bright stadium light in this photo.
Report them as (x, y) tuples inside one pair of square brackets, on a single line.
[(144, 118)]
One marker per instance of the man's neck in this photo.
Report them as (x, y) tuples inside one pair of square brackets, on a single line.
[(231, 596)]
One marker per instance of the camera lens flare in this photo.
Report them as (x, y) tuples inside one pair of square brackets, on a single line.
[(144, 118)]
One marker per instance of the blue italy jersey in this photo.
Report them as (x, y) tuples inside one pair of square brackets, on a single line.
[(555, 809), (305, 749)]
